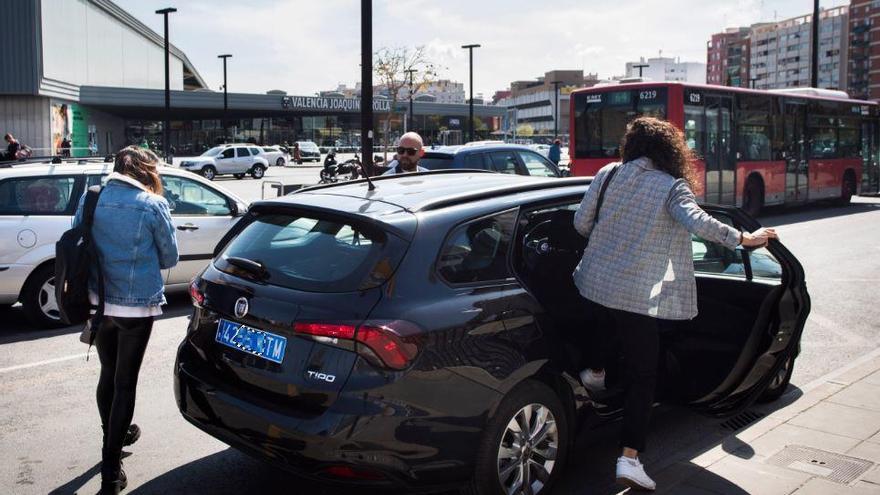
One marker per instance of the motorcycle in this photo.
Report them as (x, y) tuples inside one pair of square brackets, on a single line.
[(334, 172)]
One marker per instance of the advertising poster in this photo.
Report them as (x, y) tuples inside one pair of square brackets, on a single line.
[(71, 133), (61, 128)]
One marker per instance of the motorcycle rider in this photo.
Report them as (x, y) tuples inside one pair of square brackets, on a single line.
[(330, 160), (409, 152)]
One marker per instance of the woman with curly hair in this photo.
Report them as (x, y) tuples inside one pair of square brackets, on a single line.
[(637, 270)]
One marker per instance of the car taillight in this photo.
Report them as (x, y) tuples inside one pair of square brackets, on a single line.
[(197, 296), (387, 343)]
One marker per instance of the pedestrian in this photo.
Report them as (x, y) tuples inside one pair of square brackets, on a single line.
[(131, 260), (555, 153), (297, 156), (65, 147), (12, 147), (410, 150), (649, 212)]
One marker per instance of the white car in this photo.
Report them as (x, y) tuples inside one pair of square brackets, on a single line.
[(309, 151), (237, 160), (37, 205), (274, 155)]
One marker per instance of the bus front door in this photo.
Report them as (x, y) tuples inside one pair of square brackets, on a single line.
[(720, 159), (796, 162), (870, 162)]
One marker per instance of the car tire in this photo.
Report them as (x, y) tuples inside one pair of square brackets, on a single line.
[(38, 298), (258, 171), (279, 162), (753, 196), (779, 383), (847, 189), (209, 172), (238, 176), (499, 462)]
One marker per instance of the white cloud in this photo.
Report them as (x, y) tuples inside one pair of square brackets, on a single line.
[(303, 46)]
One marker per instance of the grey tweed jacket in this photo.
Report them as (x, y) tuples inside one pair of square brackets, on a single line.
[(639, 256)]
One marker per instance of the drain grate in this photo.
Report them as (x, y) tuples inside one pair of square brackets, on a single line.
[(831, 466), (741, 420)]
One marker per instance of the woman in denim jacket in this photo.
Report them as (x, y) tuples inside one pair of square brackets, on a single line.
[(135, 240)]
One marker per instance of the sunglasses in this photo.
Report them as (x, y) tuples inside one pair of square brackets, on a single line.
[(409, 151)]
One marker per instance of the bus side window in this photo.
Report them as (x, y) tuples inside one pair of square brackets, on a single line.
[(694, 129)]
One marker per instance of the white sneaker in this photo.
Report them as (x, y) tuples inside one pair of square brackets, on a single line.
[(631, 473), (593, 382)]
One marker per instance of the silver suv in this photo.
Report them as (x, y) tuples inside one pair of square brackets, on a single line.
[(37, 204), (237, 160)]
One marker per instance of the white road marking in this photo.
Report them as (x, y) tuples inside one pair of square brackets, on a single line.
[(41, 363)]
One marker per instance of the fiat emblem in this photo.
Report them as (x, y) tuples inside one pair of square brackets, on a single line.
[(241, 307)]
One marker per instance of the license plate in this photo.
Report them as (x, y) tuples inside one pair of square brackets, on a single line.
[(260, 343)]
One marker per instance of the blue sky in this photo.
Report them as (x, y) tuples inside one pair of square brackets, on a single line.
[(303, 46)]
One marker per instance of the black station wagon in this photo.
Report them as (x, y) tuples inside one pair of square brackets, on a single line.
[(428, 333)]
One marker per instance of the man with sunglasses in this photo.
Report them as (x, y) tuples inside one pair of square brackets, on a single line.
[(409, 152)]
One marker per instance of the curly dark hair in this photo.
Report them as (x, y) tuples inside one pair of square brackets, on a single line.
[(663, 143)]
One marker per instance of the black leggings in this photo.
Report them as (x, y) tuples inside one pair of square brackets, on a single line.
[(638, 343), (121, 343)]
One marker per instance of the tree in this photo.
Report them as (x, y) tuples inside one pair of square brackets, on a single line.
[(391, 66)]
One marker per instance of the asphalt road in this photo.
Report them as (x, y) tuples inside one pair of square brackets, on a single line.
[(50, 432)]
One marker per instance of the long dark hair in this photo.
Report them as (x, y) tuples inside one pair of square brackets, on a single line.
[(663, 143), (141, 165)]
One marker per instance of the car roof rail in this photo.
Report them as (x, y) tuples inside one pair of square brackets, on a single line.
[(388, 177), (56, 160), (439, 203)]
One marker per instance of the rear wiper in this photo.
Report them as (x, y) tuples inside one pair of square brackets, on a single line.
[(255, 268)]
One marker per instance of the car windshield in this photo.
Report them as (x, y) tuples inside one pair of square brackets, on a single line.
[(213, 151), (308, 146), (314, 253), (436, 161)]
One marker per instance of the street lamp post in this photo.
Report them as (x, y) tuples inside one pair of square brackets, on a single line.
[(411, 72), (225, 100), (556, 85), (367, 86), (166, 124), (470, 49), (814, 62)]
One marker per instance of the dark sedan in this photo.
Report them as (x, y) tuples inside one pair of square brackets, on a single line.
[(427, 333), (503, 158)]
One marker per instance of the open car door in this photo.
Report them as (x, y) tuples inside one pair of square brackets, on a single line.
[(752, 308)]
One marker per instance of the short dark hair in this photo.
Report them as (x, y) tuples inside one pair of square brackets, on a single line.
[(8, 137)]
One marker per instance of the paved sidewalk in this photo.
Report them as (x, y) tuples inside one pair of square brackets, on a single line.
[(826, 440)]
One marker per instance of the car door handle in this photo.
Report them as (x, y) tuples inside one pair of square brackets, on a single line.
[(188, 226)]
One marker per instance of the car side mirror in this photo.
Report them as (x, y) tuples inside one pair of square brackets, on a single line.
[(238, 209)]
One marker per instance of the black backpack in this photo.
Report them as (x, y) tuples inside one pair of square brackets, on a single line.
[(75, 253)]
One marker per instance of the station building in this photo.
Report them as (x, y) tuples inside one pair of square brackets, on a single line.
[(88, 71)]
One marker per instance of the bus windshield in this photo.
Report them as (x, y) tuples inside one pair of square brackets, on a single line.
[(601, 118)]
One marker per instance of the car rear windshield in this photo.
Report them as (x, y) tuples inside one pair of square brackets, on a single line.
[(432, 161), (313, 253)]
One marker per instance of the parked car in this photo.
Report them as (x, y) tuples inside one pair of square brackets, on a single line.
[(309, 151), (428, 332), (503, 158), (37, 204), (237, 160), (274, 155)]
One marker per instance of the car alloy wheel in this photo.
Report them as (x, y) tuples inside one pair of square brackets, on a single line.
[(527, 452), (279, 162), (257, 172), (209, 173), (47, 301), (38, 298)]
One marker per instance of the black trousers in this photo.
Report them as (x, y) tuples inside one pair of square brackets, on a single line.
[(634, 340), (121, 343)]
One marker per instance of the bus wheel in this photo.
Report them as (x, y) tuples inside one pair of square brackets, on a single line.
[(753, 197), (847, 189)]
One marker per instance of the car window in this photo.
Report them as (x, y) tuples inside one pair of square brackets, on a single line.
[(240, 152), (187, 197), (504, 161), (312, 253), (478, 250), (537, 164), (255, 151), (95, 179), (436, 162), (36, 195), (228, 153), (710, 257), (476, 161), (269, 150)]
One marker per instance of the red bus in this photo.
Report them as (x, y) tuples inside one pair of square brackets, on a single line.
[(753, 148)]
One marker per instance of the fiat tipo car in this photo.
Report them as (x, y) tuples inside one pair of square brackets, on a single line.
[(428, 333)]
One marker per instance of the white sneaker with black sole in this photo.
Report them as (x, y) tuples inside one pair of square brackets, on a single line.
[(593, 382), (631, 473)]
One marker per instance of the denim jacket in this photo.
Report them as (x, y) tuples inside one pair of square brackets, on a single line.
[(135, 240)]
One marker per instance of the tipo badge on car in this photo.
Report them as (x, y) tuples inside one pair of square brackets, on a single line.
[(241, 307)]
